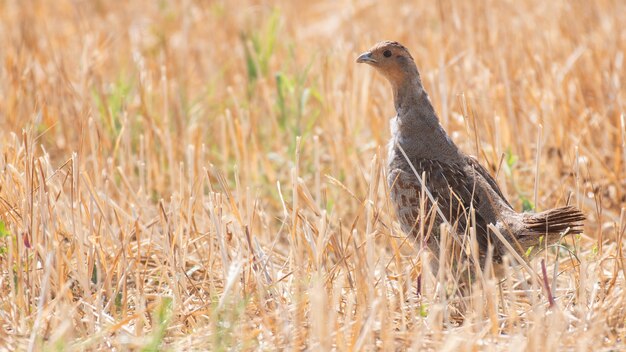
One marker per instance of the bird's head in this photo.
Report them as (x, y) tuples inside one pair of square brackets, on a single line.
[(392, 60)]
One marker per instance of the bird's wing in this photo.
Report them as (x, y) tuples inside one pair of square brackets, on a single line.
[(490, 180), (454, 187), (454, 190)]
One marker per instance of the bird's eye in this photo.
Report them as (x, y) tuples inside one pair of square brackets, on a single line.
[(387, 53)]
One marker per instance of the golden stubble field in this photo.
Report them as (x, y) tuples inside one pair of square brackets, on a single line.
[(201, 175)]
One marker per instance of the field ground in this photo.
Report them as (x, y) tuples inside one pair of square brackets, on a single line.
[(199, 175)]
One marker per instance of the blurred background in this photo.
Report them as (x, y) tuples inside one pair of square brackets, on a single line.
[(199, 71)]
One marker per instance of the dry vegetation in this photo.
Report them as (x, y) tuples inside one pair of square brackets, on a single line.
[(209, 175)]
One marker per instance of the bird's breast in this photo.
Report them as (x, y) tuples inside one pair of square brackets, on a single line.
[(391, 150)]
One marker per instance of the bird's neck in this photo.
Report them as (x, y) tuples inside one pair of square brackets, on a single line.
[(418, 129), (409, 91)]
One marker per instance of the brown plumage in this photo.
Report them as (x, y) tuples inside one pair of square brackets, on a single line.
[(456, 181)]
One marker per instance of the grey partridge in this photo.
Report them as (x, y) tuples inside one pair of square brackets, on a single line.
[(457, 182)]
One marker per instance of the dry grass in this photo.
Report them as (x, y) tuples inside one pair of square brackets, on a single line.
[(155, 193)]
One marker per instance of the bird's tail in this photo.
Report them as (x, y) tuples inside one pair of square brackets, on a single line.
[(555, 221)]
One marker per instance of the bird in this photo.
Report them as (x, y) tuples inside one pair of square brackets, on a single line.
[(421, 153)]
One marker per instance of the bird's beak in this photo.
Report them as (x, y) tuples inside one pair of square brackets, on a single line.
[(366, 57)]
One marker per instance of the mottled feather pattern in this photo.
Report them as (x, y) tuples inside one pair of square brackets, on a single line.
[(452, 187)]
